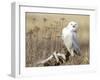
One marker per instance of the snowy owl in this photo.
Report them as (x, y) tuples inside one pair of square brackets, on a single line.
[(69, 36)]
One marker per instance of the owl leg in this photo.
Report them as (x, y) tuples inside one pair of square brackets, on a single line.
[(72, 52), (72, 56)]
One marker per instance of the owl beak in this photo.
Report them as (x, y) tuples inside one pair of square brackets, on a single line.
[(73, 26)]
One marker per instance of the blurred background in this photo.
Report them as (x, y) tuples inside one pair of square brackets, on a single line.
[(43, 36)]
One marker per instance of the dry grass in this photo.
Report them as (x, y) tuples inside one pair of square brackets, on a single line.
[(43, 37)]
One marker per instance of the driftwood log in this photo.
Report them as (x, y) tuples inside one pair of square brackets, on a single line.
[(55, 59)]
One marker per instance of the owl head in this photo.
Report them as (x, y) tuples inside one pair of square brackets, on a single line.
[(73, 26)]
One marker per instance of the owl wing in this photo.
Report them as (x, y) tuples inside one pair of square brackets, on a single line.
[(75, 43)]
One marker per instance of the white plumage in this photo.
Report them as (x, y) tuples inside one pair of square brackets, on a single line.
[(69, 36)]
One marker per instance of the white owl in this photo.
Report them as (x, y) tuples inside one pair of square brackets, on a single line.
[(69, 36)]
